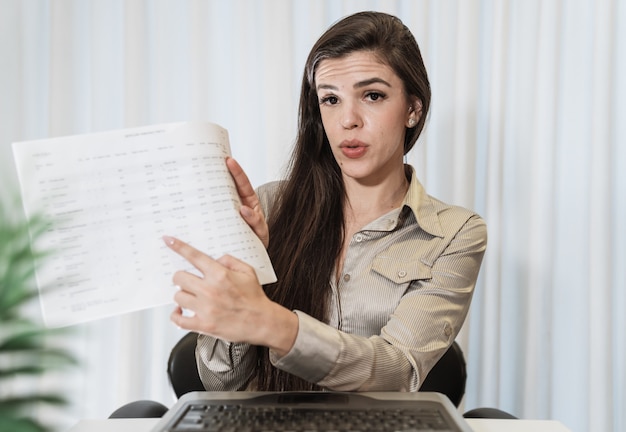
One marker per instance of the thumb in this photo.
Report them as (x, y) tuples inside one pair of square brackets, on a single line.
[(256, 220)]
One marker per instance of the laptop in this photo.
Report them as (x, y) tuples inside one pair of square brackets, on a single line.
[(312, 411)]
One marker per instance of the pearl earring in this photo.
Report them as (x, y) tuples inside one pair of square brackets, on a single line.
[(412, 122)]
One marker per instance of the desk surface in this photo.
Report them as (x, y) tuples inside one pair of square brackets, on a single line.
[(477, 425)]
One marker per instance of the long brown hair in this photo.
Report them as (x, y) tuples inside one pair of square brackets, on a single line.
[(307, 224)]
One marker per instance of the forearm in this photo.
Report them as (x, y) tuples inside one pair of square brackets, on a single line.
[(344, 362)]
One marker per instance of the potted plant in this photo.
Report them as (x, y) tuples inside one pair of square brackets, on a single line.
[(29, 352)]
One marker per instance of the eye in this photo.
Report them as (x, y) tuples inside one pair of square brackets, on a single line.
[(329, 100), (374, 96)]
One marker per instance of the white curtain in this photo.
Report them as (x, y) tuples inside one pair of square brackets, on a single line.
[(527, 127)]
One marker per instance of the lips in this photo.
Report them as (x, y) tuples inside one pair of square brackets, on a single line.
[(353, 149)]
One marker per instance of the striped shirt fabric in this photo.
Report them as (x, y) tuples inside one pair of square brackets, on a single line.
[(403, 295)]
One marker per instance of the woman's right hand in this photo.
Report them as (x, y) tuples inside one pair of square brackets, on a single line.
[(250, 210)]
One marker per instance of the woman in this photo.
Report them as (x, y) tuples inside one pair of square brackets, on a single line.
[(375, 277)]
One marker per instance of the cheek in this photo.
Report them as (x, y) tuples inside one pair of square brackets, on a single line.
[(394, 130), (327, 123), (391, 134)]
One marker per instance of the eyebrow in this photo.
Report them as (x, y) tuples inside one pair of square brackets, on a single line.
[(359, 84)]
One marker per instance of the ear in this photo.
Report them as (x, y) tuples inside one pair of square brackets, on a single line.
[(415, 108), (415, 112)]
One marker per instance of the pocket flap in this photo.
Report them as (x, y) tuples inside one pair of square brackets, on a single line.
[(400, 271)]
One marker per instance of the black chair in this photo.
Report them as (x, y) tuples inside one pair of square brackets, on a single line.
[(182, 369), (448, 376)]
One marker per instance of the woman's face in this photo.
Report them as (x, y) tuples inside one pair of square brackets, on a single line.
[(365, 112)]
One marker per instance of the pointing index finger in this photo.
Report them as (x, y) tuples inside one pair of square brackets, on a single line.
[(198, 259)]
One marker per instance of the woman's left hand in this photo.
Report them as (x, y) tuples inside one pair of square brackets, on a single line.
[(228, 302)]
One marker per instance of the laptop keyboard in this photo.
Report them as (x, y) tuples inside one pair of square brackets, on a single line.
[(242, 418)]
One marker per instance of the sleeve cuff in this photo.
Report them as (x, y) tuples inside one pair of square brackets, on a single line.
[(315, 351)]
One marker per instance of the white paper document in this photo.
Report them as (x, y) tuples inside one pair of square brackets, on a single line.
[(110, 197)]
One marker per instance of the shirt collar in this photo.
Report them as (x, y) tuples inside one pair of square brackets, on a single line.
[(422, 206)]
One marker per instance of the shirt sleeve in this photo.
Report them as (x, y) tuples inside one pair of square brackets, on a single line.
[(224, 366), (424, 324)]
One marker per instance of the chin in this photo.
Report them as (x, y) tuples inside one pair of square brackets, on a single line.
[(356, 173)]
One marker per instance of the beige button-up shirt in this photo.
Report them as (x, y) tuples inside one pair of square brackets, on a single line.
[(406, 287)]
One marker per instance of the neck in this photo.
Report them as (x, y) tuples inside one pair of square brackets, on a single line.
[(366, 202)]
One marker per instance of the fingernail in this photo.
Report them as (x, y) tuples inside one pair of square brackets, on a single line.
[(168, 240)]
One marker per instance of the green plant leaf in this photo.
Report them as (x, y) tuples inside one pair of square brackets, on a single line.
[(15, 403), (27, 349), (21, 370), (13, 424), (39, 361), (25, 340), (26, 335)]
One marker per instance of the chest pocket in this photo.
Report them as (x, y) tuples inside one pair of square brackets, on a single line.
[(407, 261), (400, 270)]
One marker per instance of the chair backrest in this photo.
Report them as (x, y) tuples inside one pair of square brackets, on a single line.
[(182, 368), (448, 376)]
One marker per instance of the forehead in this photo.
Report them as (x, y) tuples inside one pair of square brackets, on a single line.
[(354, 67)]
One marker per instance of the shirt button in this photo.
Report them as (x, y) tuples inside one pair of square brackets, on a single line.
[(358, 238), (447, 330), (346, 277), (401, 273)]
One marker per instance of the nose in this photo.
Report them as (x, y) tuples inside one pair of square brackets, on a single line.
[(350, 116)]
